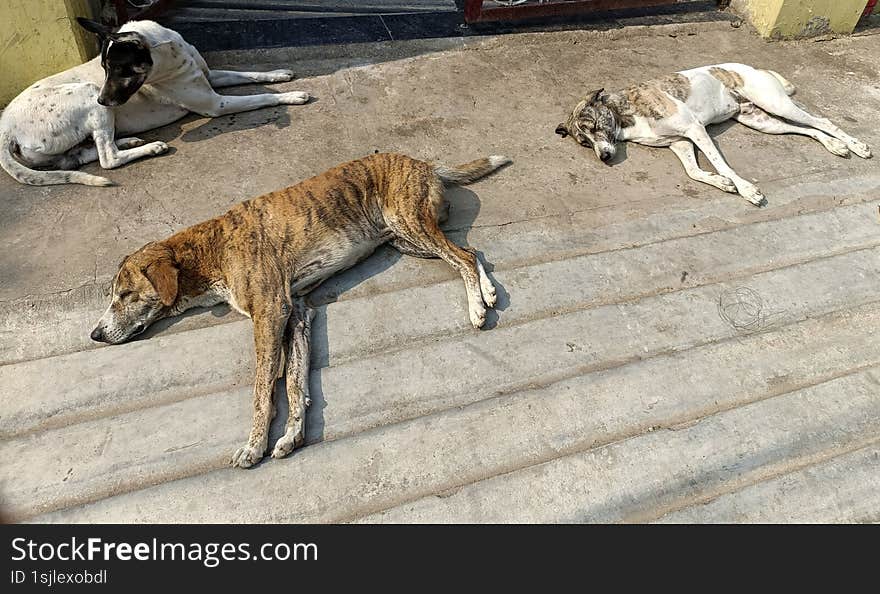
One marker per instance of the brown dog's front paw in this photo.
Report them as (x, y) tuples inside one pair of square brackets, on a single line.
[(286, 444), (246, 456)]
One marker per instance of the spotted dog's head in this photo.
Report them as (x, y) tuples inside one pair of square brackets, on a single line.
[(143, 291), (126, 60), (593, 124)]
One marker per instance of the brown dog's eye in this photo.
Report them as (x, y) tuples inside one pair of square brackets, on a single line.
[(125, 294)]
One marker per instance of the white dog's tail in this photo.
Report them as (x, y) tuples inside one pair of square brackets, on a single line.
[(468, 173), (789, 88), (35, 177)]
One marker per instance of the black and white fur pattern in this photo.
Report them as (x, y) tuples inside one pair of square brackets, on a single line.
[(675, 110), (146, 77)]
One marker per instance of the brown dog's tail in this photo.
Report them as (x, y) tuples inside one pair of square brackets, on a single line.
[(35, 177), (468, 173)]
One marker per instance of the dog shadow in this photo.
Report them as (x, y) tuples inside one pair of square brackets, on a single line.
[(278, 116), (464, 207)]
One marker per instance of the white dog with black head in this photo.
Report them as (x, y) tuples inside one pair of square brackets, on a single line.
[(147, 76)]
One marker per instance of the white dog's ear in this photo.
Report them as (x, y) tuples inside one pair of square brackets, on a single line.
[(95, 27), (562, 130)]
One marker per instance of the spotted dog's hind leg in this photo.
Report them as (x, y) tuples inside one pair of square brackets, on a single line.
[(299, 351), (758, 119), (228, 78), (83, 155), (765, 91)]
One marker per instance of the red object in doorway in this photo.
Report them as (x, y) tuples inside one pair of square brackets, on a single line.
[(870, 7), (475, 11)]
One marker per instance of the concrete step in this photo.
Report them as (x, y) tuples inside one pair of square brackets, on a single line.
[(769, 387), (640, 478), (845, 488), (107, 381), (169, 441), (359, 395)]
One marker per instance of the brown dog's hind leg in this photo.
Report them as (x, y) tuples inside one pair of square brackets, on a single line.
[(414, 223), (270, 319), (299, 351)]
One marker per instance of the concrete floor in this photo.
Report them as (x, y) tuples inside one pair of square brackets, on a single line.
[(663, 351)]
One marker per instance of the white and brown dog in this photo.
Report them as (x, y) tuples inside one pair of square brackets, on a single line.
[(147, 76), (674, 111)]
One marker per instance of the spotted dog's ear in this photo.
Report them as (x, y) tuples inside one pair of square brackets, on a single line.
[(102, 31), (562, 130), (594, 96)]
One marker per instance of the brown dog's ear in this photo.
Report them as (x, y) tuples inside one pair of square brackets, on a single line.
[(562, 130), (594, 95), (162, 274)]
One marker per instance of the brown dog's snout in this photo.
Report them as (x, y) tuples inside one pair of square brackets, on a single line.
[(97, 334)]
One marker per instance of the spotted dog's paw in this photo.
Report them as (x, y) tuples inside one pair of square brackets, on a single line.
[(753, 195), (837, 147), (157, 148), (860, 148), (246, 456), (722, 183), (294, 98), (127, 143), (283, 75)]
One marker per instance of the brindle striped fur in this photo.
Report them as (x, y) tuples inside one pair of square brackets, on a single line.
[(728, 78), (265, 252), (653, 99)]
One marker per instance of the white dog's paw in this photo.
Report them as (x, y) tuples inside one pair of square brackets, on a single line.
[(294, 98), (127, 143), (478, 315), (837, 147), (288, 442), (860, 148), (753, 195), (724, 183), (246, 456), (283, 75), (157, 148)]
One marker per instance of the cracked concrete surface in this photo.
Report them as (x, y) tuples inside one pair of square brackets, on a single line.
[(609, 385)]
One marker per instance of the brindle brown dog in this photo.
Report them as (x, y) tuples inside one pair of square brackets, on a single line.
[(266, 253)]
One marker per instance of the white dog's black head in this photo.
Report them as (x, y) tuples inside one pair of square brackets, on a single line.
[(126, 60)]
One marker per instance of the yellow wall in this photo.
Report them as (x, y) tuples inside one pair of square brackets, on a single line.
[(792, 19), (39, 38)]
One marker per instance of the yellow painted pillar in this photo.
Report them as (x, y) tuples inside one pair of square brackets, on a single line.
[(39, 38), (794, 19)]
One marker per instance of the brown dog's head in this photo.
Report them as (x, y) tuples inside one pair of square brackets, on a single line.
[(143, 291), (593, 124)]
